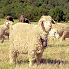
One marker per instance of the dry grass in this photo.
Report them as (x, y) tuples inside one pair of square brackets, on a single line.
[(55, 56)]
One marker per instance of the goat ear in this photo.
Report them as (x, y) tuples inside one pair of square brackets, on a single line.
[(41, 22), (53, 22)]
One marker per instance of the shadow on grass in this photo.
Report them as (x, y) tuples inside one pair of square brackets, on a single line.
[(42, 65), (49, 61)]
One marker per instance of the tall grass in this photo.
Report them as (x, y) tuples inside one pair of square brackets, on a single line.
[(55, 56)]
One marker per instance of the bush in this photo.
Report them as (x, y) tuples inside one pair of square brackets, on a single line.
[(57, 14)]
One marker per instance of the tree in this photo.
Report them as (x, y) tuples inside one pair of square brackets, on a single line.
[(34, 9), (66, 17), (57, 14)]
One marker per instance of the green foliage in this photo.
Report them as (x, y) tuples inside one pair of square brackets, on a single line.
[(6, 66), (33, 9), (57, 14), (66, 17)]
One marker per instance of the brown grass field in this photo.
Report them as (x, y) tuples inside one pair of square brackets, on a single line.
[(55, 56)]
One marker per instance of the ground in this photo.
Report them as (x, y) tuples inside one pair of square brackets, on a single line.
[(55, 56)]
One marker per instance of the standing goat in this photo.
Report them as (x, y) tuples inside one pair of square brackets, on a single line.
[(29, 39)]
